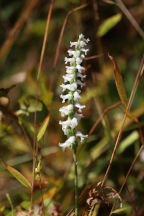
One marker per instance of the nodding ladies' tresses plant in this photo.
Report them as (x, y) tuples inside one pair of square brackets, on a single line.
[(73, 83)]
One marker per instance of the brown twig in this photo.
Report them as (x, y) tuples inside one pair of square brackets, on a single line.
[(136, 83), (62, 32), (16, 29), (35, 142), (98, 43), (132, 20), (45, 38), (93, 57)]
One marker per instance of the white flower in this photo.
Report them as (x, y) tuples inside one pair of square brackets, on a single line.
[(70, 60), (80, 83), (71, 87), (76, 96), (69, 77), (82, 136), (85, 51), (66, 97), (74, 44), (78, 116), (70, 69), (66, 109), (79, 106), (75, 53), (68, 142), (68, 123), (81, 76), (80, 68), (73, 82), (79, 60)]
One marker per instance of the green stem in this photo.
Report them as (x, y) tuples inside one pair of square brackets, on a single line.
[(75, 181)]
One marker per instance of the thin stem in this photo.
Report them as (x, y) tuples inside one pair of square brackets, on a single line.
[(75, 182)]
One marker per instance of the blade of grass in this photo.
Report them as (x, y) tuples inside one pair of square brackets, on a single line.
[(119, 82), (11, 204), (121, 88), (35, 141), (62, 32), (45, 38), (93, 57), (17, 175), (13, 33), (132, 20), (136, 83), (43, 128)]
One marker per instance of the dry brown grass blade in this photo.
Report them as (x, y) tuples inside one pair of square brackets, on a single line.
[(35, 141), (45, 38), (119, 82), (5, 48), (62, 31), (132, 20), (93, 57), (102, 115), (136, 83), (121, 88)]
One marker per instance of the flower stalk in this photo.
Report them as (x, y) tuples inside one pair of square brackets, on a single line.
[(71, 89)]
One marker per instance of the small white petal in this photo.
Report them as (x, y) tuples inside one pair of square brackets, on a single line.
[(80, 68), (83, 43), (81, 76), (68, 142), (82, 136), (69, 77), (76, 96), (80, 83), (79, 60), (75, 53), (66, 109), (71, 87), (66, 97), (81, 36), (84, 50), (87, 40), (79, 106), (68, 123), (70, 69), (69, 60), (78, 116), (74, 44)]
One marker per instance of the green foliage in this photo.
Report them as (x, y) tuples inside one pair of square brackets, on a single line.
[(18, 176), (43, 128), (108, 24), (122, 210)]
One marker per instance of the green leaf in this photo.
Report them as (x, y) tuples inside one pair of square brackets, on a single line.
[(121, 210), (43, 127), (25, 205), (119, 82), (18, 176), (108, 24), (129, 140)]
